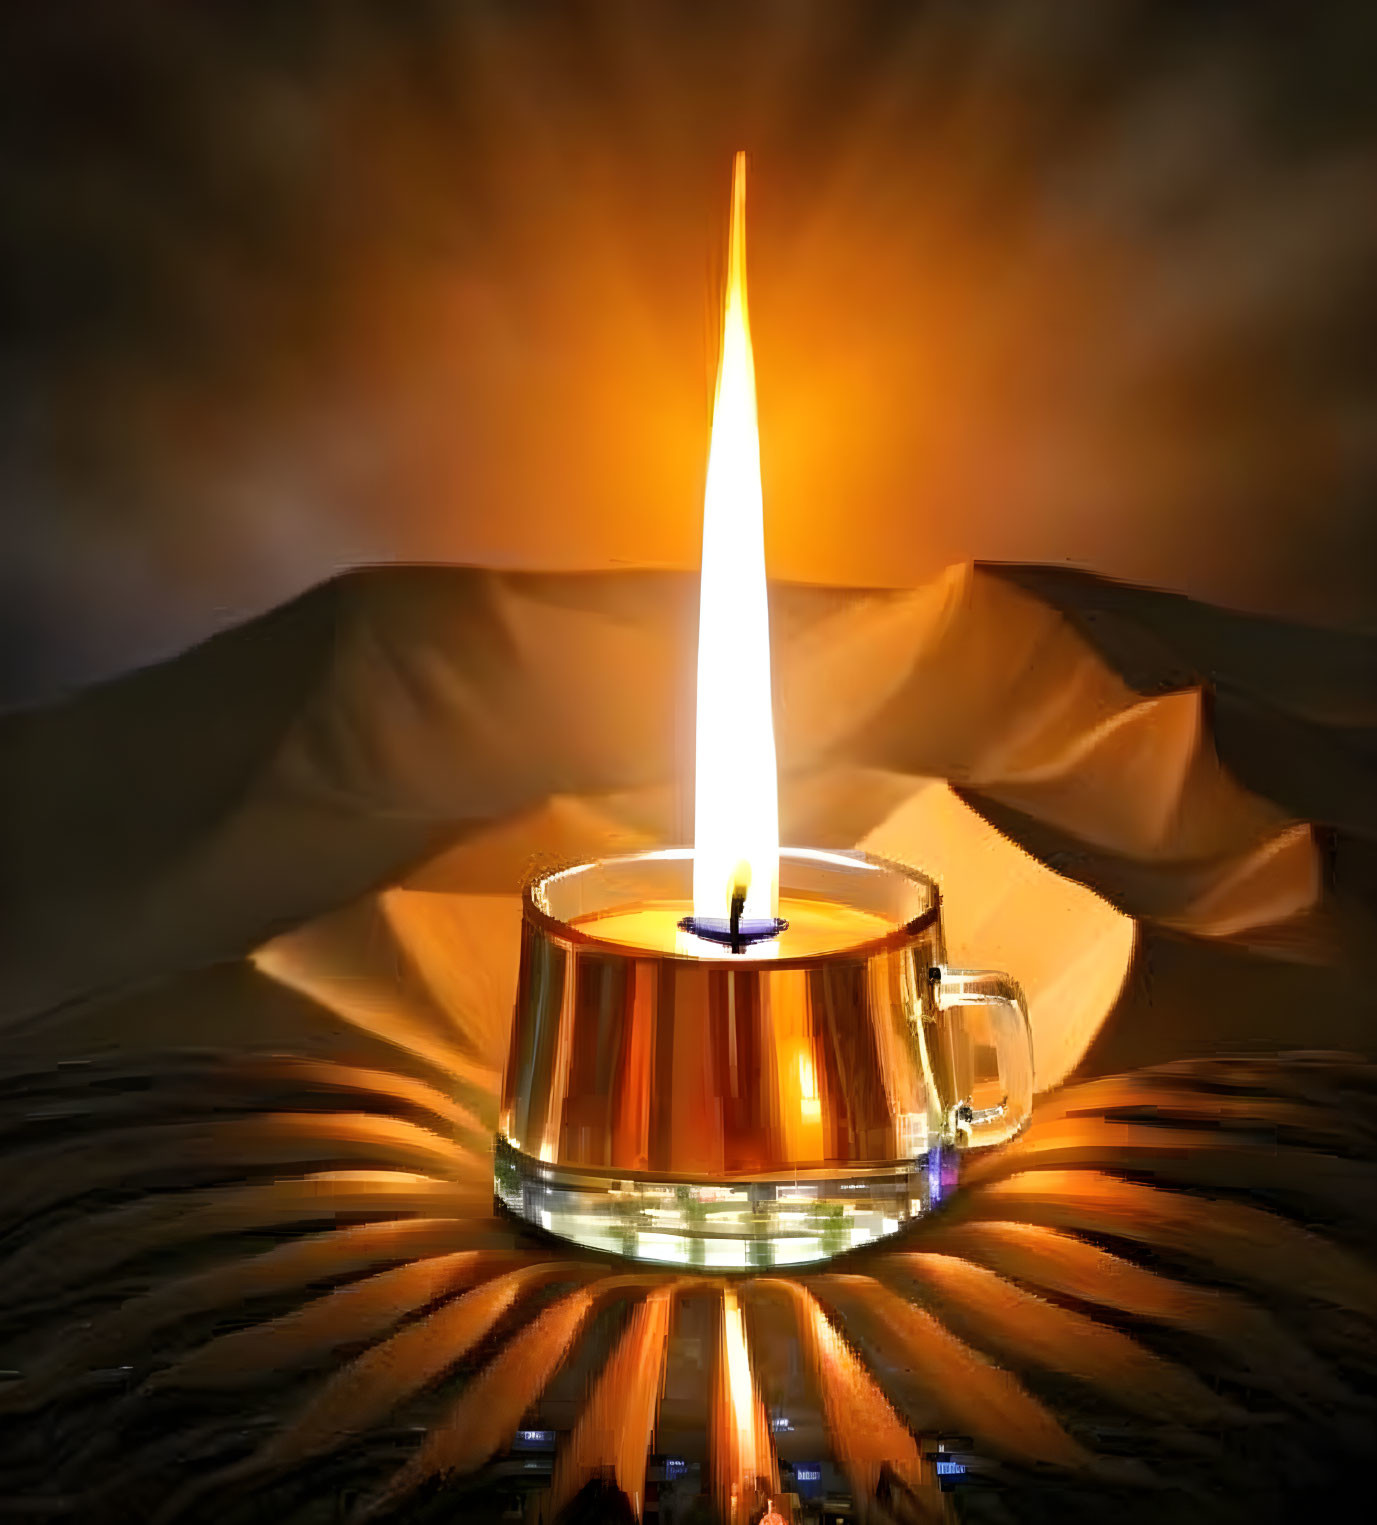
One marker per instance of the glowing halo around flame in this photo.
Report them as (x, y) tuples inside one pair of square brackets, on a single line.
[(736, 791)]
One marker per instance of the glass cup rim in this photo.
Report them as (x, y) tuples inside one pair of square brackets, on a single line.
[(898, 937)]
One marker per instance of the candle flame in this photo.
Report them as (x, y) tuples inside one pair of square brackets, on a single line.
[(736, 799)]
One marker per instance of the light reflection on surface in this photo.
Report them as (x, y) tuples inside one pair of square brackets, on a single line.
[(725, 1226), (441, 1323)]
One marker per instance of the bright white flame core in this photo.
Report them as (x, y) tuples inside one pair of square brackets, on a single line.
[(736, 792)]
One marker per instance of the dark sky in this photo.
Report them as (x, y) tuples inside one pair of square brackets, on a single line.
[(291, 287)]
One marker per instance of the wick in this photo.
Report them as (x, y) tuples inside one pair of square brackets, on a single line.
[(738, 906), (741, 883), (737, 931)]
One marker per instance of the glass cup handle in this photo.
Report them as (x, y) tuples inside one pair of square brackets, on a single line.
[(1002, 997)]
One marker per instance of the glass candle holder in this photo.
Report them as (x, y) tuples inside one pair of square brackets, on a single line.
[(671, 1100)]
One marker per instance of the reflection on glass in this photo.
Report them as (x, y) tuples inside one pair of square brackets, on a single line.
[(725, 1111), (726, 1226)]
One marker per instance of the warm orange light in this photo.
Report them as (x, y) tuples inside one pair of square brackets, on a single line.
[(736, 802), (810, 1104), (740, 1387), (743, 1457)]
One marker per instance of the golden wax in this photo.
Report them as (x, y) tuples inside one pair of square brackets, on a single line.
[(815, 927)]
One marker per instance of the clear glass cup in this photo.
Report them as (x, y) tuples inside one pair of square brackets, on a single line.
[(669, 1100)]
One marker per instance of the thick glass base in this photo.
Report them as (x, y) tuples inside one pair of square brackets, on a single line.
[(737, 1224)]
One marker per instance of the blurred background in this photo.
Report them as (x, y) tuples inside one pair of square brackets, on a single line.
[(285, 289)]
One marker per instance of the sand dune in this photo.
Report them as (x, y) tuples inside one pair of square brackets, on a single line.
[(443, 727)]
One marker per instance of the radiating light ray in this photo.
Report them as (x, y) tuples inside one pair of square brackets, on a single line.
[(863, 1427), (614, 1431), (296, 1264), (93, 1245), (301, 1139), (741, 1451), (359, 1394), (363, 1310), (378, 1380), (1020, 1329), (1255, 1246), (486, 1415), (1171, 1097), (383, 1085), (963, 1391), (1075, 276), (1061, 1264), (490, 1408), (1198, 1157), (1023, 1294), (242, 1089)]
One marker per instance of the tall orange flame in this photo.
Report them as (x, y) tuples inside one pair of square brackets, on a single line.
[(736, 803)]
